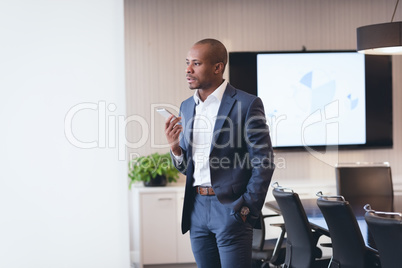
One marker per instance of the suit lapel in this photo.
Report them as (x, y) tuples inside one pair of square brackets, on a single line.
[(188, 114), (226, 106)]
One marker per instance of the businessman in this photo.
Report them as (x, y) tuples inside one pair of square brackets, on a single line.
[(221, 143)]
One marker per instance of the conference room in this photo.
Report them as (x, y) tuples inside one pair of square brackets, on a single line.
[(80, 86), (319, 26)]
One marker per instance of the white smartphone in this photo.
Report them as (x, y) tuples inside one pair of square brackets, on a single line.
[(165, 113)]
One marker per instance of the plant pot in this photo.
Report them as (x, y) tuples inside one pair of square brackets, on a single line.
[(157, 181)]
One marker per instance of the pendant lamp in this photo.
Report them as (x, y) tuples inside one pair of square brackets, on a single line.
[(381, 39)]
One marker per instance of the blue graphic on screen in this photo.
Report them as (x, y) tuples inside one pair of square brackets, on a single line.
[(353, 102), (320, 95), (304, 93)]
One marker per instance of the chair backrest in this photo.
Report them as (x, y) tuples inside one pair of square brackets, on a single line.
[(348, 246), (386, 229), (366, 183), (300, 245)]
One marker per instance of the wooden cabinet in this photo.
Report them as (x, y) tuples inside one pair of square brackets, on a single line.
[(157, 237), (184, 252)]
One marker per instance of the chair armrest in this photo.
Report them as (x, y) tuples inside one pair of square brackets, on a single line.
[(281, 225), (270, 215), (326, 245), (276, 254), (277, 224)]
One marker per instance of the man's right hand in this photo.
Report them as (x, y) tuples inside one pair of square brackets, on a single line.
[(172, 132)]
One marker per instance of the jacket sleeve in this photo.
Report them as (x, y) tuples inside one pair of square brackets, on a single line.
[(260, 150), (180, 164)]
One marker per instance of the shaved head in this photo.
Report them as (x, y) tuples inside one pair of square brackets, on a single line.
[(217, 52)]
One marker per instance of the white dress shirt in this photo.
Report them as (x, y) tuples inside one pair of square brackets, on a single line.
[(206, 113)]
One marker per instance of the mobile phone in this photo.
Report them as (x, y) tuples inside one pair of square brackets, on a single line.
[(165, 113)]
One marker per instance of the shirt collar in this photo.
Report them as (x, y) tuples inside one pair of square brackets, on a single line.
[(218, 93)]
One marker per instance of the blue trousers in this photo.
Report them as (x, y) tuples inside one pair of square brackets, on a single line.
[(219, 237)]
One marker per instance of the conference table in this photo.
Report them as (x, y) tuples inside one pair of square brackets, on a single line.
[(317, 221)]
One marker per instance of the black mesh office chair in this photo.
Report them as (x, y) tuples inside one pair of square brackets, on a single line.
[(386, 229), (365, 183), (348, 247), (268, 251), (301, 249)]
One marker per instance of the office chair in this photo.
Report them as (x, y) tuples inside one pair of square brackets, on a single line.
[(268, 251), (301, 249), (386, 229), (365, 183), (348, 247)]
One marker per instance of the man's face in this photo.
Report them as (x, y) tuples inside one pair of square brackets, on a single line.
[(200, 71)]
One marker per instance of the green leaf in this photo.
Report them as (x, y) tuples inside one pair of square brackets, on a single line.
[(144, 168)]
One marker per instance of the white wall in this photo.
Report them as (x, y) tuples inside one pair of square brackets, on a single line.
[(62, 205)]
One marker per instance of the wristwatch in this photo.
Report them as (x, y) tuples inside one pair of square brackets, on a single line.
[(244, 211)]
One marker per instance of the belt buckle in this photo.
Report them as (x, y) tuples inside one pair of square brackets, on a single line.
[(202, 190), (205, 191)]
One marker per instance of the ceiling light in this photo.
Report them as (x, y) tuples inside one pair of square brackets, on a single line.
[(380, 39)]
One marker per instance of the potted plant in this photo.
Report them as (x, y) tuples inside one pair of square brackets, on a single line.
[(154, 170)]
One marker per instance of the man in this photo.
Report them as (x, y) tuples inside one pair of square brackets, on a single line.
[(221, 143)]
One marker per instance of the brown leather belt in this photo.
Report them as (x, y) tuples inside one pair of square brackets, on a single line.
[(202, 190)]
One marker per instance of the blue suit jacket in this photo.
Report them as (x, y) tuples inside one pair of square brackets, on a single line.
[(241, 157)]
